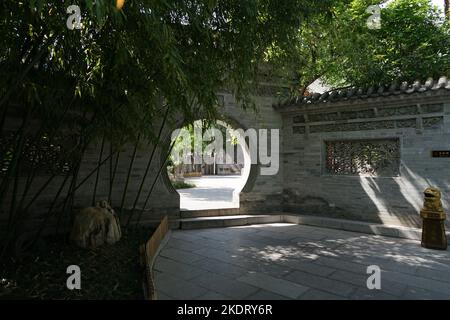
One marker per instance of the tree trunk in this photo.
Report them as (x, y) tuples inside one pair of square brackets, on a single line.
[(447, 8)]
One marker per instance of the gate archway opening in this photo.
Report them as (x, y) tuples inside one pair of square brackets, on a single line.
[(209, 165)]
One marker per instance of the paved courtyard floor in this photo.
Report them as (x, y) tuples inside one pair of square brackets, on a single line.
[(289, 261), (212, 192)]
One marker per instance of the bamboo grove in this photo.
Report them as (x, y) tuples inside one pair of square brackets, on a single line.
[(121, 80)]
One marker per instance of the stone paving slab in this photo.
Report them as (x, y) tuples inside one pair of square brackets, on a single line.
[(174, 288), (417, 293), (176, 269), (309, 267), (288, 261), (314, 294), (266, 295), (359, 280), (364, 294), (211, 295), (217, 266), (321, 283), (180, 255), (222, 285), (274, 285)]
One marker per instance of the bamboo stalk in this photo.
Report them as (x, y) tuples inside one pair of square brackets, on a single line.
[(133, 157), (3, 118), (111, 159), (16, 157), (147, 169), (114, 177), (50, 210), (20, 216), (28, 184), (98, 171), (110, 172), (98, 166), (32, 176), (71, 192), (163, 164), (73, 185), (36, 196), (14, 220), (93, 171), (72, 189), (33, 173), (12, 210), (66, 199), (72, 197)]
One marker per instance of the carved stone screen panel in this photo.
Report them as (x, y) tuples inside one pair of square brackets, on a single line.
[(42, 155), (380, 157)]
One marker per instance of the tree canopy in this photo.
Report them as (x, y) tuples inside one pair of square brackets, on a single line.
[(149, 55), (413, 43), (153, 54)]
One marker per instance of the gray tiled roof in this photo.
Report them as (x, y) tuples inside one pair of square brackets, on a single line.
[(363, 93)]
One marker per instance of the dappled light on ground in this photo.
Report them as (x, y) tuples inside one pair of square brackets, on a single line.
[(288, 261)]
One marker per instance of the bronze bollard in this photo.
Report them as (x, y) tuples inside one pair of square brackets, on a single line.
[(433, 215)]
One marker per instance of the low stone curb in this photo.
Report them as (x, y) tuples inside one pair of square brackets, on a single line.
[(340, 224)]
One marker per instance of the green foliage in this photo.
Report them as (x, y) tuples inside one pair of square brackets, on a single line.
[(412, 44), (123, 67), (338, 47), (309, 56), (182, 185), (187, 144)]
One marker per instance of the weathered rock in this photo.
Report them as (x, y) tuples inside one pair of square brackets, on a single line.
[(95, 226)]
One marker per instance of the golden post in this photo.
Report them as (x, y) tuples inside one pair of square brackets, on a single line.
[(433, 215)]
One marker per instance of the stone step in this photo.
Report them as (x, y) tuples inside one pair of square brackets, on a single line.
[(221, 221), (186, 214), (227, 221), (357, 226)]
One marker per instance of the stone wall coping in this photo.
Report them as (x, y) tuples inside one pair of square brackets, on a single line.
[(430, 92)]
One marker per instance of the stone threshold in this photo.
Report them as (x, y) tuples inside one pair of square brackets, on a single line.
[(186, 214), (331, 223), (228, 221)]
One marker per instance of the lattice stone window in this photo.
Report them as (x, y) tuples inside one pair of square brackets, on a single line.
[(42, 155), (380, 157)]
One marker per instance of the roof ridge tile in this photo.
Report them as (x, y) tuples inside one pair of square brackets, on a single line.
[(443, 83)]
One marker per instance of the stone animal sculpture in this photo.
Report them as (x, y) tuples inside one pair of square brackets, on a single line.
[(432, 200), (433, 224), (95, 226)]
